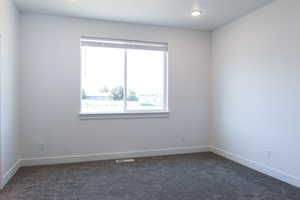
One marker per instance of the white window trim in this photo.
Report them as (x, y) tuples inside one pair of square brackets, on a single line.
[(124, 115), (130, 114)]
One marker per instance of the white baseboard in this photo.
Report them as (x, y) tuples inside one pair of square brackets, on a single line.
[(11, 172), (146, 153), (275, 173), (111, 156)]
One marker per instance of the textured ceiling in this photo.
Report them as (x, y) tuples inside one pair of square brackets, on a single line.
[(173, 13)]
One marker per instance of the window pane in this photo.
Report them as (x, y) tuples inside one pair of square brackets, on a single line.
[(145, 80), (102, 79)]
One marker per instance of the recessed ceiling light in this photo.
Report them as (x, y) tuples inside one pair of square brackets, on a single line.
[(72, 1), (196, 13)]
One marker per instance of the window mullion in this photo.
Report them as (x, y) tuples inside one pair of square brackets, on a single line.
[(125, 81)]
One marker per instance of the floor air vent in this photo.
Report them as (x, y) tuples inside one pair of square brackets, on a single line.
[(125, 160)]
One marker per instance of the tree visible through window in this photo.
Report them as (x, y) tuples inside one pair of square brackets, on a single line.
[(123, 76)]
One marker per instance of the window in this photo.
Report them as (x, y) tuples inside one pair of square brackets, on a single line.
[(123, 77)]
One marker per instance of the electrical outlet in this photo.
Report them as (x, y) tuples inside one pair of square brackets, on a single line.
[(41, 147), (183, 139), (268, 155)]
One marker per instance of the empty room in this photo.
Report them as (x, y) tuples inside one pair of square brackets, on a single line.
[(149, 99)]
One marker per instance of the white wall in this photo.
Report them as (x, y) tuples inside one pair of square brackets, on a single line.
[(9, 137), (256, 88), (50, 86)]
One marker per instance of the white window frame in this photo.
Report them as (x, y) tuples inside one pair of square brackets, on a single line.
[(127, 44)]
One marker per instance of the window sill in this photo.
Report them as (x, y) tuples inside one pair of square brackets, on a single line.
[(127, 115)]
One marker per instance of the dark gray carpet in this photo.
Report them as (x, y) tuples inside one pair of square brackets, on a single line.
[(203, 176)]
